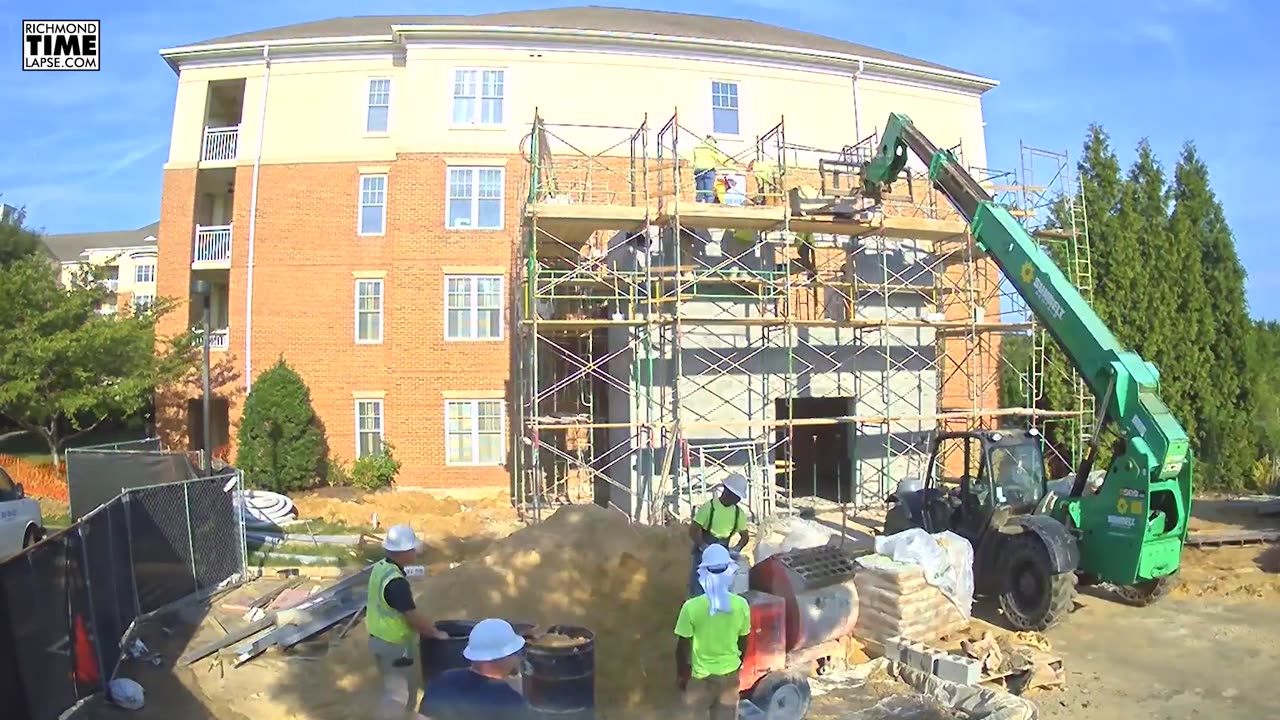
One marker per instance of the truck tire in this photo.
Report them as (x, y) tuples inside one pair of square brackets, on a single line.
[(1032, 596), (782, 695), (31, 538), (1145, 593)]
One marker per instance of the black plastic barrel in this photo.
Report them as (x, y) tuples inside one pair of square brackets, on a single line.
[(560, 681), (441, 655)]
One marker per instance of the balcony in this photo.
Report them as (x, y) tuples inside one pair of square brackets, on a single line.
[(212, 247), (220, 144), (112, 284)]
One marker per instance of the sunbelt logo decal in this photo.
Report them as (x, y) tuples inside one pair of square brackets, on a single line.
[(1041, 290), (1028, 272)]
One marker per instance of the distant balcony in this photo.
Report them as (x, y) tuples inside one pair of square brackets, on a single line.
[(111, 284), (219, 338), (220, 144), (213, 246)]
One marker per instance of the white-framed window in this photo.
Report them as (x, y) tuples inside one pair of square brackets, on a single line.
[(369, 439), (373, 204), (144, 273), (473, 307), (369, 311), (143, 303), (475, 198), (473, 432), (724, 107), (378, 106), (478, 96)]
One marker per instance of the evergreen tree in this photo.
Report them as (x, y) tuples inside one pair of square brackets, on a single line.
[(1264, 358), (1224, 434), (281, 447)]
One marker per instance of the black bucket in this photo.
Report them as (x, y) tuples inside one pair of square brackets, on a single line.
[(441, 655), (560, 682)]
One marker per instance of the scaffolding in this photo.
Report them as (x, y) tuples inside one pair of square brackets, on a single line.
[(777, 324)]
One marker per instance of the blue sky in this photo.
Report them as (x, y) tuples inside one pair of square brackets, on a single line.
[(83, 151)]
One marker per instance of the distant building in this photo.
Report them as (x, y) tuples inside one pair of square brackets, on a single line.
[(7, 211), (128, 258)]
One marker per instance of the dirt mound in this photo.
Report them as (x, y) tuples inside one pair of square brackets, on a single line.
[(584, 566)]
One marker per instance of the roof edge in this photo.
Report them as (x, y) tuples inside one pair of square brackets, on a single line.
[(399, 33)]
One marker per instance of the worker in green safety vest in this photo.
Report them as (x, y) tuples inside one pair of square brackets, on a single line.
[(395, 623), (716, 522), (707, 158)]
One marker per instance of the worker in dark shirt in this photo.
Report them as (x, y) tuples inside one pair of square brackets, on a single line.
[(395, 623), (487, 689)]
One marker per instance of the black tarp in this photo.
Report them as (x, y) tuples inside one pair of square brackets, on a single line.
[(95, 477)]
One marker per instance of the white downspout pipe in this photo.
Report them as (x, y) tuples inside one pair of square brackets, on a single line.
[(857, 125), (253, 223)]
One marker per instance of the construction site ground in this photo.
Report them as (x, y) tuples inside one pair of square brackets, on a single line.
[(1209, 650)]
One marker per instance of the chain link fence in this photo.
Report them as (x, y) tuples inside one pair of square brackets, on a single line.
[(69, 604)]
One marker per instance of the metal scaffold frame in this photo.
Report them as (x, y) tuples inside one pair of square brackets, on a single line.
[(663, 342)]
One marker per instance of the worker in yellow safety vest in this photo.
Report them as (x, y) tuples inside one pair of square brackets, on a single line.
[(768, 176), (395, 624), (716, 522), (707, 158)]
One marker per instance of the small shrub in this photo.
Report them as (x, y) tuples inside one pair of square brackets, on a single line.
[(376, 471), (281, 446), (337, 474)]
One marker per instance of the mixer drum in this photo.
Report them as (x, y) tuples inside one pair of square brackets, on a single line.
[(817, 585), (817, 616)]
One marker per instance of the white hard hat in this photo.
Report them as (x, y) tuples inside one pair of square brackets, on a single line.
[(400, 538), (715, 556), (908, 485), (492, 639), (736, 483)]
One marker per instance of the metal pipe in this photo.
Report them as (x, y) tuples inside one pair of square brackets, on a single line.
[(857, 125), (253, 223), (204, 383)]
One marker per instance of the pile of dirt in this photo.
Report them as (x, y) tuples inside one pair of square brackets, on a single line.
[(590, 567), (430, 515)]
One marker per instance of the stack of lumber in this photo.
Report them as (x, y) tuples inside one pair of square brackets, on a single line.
[(894, 599)]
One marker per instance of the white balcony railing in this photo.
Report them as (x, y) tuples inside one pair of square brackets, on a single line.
[(213, 244), (220, 143), (219, 338), (111, 284)]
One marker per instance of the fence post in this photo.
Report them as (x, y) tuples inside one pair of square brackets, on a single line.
[(103, 675), (239, 505), (191, 542), (127, 499)]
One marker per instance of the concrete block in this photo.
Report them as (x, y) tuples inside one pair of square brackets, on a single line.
[(895, 649), (920, 657), (956, 669)]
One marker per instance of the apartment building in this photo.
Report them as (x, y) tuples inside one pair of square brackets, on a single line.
[(354, 190), (127, 260)]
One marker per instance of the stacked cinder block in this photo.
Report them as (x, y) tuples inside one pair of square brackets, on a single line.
[(919, 656), (895, 600)]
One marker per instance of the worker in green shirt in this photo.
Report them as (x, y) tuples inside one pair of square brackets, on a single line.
[(717, 522), (711, 639), (707, 158)]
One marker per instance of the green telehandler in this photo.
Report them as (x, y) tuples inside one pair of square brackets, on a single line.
[(1031, 545)]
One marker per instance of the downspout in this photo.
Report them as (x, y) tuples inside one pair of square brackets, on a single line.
[(857, 125), (253, 223)]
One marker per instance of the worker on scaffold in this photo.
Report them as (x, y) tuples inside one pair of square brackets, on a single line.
[(716, 522)]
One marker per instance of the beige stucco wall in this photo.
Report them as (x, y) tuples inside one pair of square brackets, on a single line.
[(125, 260), (316, 108)]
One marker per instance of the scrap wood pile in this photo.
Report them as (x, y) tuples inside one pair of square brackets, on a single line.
[(590, 567), (1022, 661)]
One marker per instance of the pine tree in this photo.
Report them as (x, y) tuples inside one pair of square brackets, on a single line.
[(281, 447), (1224, 436)]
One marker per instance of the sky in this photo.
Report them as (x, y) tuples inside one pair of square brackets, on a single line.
[(84, 151)]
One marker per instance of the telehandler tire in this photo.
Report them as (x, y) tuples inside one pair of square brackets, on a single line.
[(1032, 596), (1145, 593)]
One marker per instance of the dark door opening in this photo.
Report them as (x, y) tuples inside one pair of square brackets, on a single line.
[(219, 422), (819, 454)]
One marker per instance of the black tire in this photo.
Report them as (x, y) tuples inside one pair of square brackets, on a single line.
[(782, 695), (31, 538), (1032, 596), (1145, 593)]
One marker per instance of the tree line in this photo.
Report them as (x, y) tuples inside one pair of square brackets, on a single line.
[(1169, 285)]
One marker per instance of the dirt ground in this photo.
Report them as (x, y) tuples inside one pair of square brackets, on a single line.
[(431, 515), (1210, 650)]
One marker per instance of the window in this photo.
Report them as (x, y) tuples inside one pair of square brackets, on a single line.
[(724, 107), (473, 307), (478, 96), (368, 427), (144, 273), (475, 198), (378, 117), (373, 204), (143, 303), (473, 430), (368, 311)]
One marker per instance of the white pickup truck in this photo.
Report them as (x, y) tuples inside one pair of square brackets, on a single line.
[(21, 524)]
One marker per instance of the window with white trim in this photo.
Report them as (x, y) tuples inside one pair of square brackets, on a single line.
[(724, 107), (369, 311), (473, 430), (369, 439), (144, 273), (475, 198), (478, 96), (473, 307), (373, 204), (378, 106), (143, 303)]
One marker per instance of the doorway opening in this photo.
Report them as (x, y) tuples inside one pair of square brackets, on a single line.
[(820, 453)]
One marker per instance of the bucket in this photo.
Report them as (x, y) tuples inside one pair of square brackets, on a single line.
[(441, 655), (560, 678)]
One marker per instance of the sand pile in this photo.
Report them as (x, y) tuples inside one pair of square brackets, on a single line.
[(431, 516), (584, 566)]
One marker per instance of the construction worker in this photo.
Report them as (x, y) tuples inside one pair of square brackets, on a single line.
[(768, 176), (395, 623), (707, 158), (716, 522), (711, 639), (486, 690)]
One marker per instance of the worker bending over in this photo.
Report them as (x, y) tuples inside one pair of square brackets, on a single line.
[(395, 623), (711, 634), (716, 522), (485, 690)]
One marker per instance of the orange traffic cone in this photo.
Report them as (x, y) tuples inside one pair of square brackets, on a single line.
[(85, 662)]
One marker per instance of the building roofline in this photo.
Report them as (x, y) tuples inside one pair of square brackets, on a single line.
[(399, 34)]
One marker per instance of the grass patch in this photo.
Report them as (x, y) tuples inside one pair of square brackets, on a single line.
[(341, 555)]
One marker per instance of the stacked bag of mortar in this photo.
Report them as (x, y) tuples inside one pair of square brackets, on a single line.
[(895, 599)]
